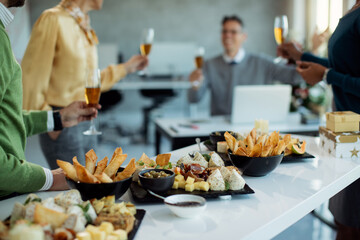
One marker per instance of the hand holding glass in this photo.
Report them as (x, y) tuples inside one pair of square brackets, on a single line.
[(92, 96)]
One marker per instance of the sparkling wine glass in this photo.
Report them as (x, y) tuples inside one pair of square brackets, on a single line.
[(147, 39), (92, 96), (199, 61), (281, 29)]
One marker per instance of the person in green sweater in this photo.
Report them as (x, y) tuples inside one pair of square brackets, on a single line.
[(16, 174)]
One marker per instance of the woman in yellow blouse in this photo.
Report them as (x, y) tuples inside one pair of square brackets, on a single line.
[(62, 48)]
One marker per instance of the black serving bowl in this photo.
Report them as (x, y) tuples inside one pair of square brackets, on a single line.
[(214, 138), (255, 166), (98, 190), (158, 185)]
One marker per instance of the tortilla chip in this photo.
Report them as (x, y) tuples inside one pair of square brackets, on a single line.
[(163, 159), (90, 161), (230, 140), (83, 174), (241, 152), (127, 172), (114, 165), (145, 159), (101, 165), (102, 177), (256, 151), (117, 151), (69, 169), (253, 135), (266, 150), (280, 147), (287, 139), (43, 215)]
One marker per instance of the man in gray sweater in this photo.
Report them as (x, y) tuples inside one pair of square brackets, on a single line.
[(235, 67)]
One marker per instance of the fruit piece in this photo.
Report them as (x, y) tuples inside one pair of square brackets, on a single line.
[(299, 148)]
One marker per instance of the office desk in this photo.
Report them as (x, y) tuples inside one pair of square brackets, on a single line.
[(182, 136), (281, 198), (137, 83)]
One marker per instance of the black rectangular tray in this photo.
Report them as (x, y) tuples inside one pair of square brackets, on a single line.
[(140, 195), (289, 158), (139, 216)]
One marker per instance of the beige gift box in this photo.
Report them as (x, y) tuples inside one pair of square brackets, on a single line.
[(340, 145), (346, 121)]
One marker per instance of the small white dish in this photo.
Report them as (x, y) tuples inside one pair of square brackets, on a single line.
[(186, 205)]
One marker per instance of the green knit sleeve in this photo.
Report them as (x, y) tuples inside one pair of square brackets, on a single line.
[(35, 122), (19, 175)]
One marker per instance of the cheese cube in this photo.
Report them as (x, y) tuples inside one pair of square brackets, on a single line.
[(96, 233), (179, 178), (110, 237), (181, 184), (106, 227), (120, 234), (175, 185), (190, 180), (222, 147), (204, 186), (197, 185), (83, 236), (189, 187)]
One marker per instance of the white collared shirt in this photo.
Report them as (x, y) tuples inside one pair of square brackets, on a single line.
[(6, 16), (238, 57)]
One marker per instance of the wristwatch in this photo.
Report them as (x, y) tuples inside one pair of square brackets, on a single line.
[(57, 121), (324, 78)]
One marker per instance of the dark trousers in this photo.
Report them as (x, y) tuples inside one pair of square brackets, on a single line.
[(71, 142), (347, 233)]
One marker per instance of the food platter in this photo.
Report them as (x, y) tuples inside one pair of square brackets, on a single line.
[(139, 216), (286, 159), (140, 195)]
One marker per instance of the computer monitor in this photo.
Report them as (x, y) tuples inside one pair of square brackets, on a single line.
[(171, 59), (268, 102)]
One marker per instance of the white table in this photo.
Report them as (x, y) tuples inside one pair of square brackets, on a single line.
[(179, 136), (281, 198)]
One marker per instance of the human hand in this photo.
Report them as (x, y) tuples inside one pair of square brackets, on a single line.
[(196, 78), (59, 182), (77, 112), (311, 72), (290, 50), (319, 38), (136, 63)]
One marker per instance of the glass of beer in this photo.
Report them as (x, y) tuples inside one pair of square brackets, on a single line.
[(281, 29), (147, 39), (92, 96)]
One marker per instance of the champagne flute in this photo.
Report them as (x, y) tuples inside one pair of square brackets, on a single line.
[(147, 40), (92, 96), (199, 61), (281, 29), (199, 57)]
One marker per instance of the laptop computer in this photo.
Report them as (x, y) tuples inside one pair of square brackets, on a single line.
[(268, 102)]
